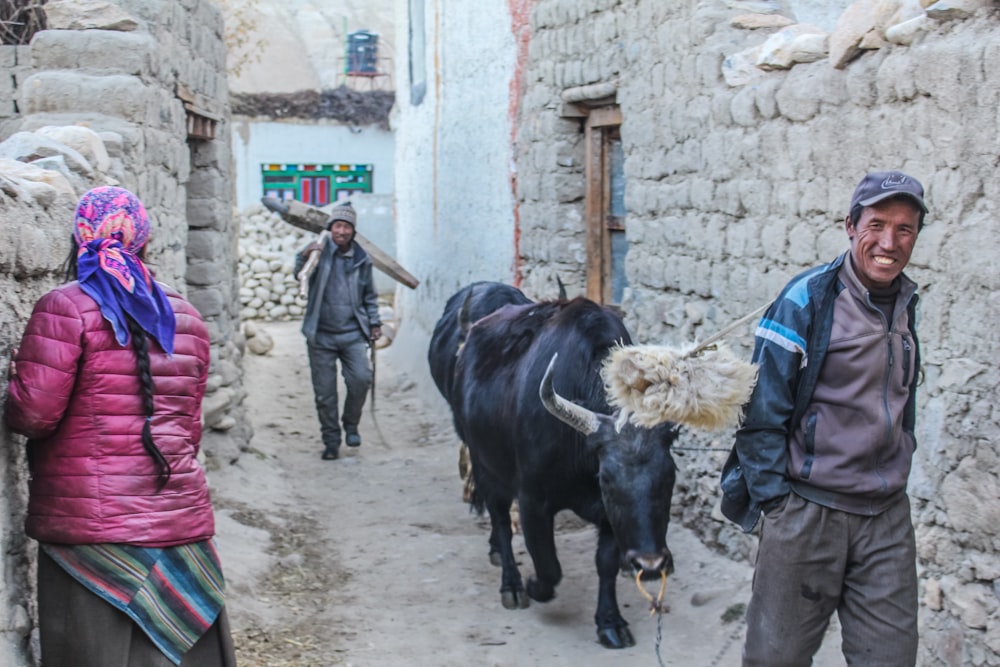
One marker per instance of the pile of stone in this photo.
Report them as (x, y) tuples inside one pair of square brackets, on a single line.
[(268, 290)]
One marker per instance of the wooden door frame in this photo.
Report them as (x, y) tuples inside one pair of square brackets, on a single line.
[(598, 200)]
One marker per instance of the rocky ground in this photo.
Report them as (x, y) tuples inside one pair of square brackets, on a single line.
[(373, 560)]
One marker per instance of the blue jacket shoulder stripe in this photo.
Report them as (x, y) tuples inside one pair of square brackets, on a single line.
[(781, 335)]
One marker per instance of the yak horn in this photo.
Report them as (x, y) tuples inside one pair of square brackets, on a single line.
[(580, 418)]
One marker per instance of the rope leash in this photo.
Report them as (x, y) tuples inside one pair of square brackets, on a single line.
[(726, 330), (378, 429), (656, 607)]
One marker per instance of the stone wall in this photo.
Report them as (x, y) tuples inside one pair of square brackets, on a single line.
[(733, 189), (32, 246), (15, 61), (103, 97)]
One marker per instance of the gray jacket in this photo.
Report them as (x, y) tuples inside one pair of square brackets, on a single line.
[(364, 300)]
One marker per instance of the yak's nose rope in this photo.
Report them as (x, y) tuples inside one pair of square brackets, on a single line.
[(656, 605)]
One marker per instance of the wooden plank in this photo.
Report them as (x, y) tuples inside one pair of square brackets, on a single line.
[(386, 264), (313, 219), (604, 116), (594, 214), (569, 110), (605, 210)]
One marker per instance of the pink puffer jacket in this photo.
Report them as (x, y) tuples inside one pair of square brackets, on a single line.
[(77, 396)]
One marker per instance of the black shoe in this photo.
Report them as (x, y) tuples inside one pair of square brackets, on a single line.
[(330, 455), (353, 439)]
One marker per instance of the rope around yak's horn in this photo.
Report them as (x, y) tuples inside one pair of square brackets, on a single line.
[(704, 386)]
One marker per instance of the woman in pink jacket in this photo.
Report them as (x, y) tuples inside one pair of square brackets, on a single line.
[(107, 385)]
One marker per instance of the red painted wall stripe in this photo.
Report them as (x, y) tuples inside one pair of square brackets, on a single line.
[(520, 24)]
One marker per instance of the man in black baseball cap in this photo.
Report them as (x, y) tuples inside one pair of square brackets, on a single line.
[(877, 186), (826, 445)]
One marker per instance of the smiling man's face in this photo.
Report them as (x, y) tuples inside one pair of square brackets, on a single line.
[(883, 240), (342, 233)]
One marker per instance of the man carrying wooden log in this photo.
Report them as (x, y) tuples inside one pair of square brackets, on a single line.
[(341, 321)]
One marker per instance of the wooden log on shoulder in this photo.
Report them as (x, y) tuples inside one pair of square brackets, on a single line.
[(313, 219)]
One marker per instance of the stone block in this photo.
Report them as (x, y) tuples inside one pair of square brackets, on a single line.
[(742, 239), (215, 405), (797, 99), (774, 237), (743, 107), (205, 273), (88, 15), (764, 96), (800, 43), (206, 245), (802, 244), (906, 32), (81, 139), (8, 56), (740, 69), (950, 10), (95, 50), (209, 184), (855, 23), (758, 21), (208, 301), (755, 195), (209, 213), (814, 197), (120, 96)]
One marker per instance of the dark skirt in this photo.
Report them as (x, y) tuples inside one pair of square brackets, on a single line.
[(79, 629)]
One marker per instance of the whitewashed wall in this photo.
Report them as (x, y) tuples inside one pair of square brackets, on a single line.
[(454, 200)]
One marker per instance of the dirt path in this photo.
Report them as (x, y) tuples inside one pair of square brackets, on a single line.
[(374, 561)]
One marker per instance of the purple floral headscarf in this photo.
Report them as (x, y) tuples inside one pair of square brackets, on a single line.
[(110, 229)]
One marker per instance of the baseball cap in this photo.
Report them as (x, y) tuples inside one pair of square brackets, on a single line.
[(879, 185)]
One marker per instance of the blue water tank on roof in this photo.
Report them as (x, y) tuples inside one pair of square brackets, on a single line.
[(362, 51)]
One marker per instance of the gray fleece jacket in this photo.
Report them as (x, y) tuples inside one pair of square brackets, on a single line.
[(361, 288), (832, 415)]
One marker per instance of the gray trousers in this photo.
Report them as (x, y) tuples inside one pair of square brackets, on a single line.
[(351, 350), (812, 561)]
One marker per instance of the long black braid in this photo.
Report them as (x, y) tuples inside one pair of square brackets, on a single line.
[(141, 345)]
